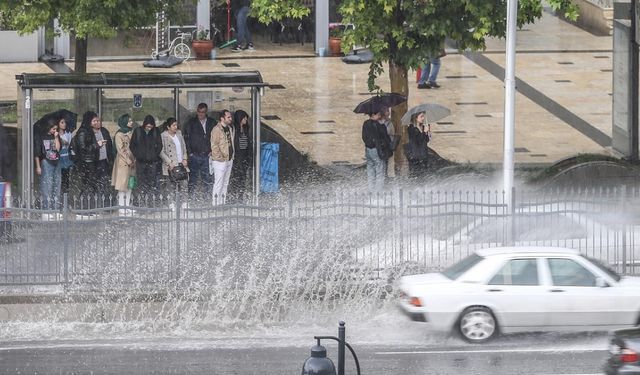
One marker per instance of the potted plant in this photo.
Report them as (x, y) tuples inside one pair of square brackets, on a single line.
[(336, 31), (201, 43)]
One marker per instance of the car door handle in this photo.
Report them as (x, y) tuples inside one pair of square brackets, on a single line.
[(494, 290), (556, 290)]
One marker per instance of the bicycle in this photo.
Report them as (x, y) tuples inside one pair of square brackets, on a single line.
[(178, 47)]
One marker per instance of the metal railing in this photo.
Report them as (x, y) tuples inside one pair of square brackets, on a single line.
[(297, 239)]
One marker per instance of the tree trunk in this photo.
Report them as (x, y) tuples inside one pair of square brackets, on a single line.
[(399, 84), (81, 55)]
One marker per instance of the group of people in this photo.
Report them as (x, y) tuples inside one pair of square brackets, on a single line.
[(380, 142), (202, 158)]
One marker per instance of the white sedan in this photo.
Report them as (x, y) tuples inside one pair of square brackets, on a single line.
[(521, 289)]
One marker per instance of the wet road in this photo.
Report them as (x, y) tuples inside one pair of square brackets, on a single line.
[(519, 354)]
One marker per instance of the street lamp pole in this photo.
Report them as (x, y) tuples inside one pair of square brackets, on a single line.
[(510, 99)]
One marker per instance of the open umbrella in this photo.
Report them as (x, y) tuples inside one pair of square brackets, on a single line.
[(433, 113), (376, 103), (70, 118)]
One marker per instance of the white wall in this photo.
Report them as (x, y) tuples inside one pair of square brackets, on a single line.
[(17, 48)]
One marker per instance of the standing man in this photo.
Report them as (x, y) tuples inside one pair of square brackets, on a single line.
[(222, 150), (197, 136), (377, 151), (241, 11)]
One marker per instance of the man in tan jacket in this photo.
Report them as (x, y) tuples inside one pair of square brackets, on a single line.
[(222, 150)]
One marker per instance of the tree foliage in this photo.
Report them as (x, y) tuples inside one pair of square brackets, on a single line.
[(406, 32), (89, 18), (267, 11)]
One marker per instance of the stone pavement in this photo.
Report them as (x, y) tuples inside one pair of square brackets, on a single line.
[(563, 106)]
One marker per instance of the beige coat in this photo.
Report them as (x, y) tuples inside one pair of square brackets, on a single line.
[(124, 164), (219, 144), (169, 153)]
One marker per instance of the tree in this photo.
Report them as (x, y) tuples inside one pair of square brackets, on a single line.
[(88, 18), (403, 33)]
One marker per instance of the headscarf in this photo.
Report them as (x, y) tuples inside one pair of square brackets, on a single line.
[(123, 122)]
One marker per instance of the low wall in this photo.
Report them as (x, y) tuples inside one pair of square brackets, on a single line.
[(595, 16), (16, 48)]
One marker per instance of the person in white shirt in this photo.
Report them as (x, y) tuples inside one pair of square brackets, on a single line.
[(222, 152)]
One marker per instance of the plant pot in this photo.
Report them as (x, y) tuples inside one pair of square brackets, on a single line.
[(202, 48), (334, 46)]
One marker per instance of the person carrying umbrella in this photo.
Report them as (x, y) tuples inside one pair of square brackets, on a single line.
[(377, 143), (47, 159), (416, 149)]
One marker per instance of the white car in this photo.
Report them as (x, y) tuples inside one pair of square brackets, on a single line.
[(521, 289)]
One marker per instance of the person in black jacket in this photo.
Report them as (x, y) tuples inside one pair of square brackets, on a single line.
[(416, 149), (146, 145), (243, 157), (197, 138), (377, 151), (94, 157)]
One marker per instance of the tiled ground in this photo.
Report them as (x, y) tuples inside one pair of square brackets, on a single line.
[(565, 64)]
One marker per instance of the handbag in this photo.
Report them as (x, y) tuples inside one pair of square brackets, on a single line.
[(132, 183), (178, 173)]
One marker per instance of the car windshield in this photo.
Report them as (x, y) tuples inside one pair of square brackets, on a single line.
[(613, 274), (454, 271)]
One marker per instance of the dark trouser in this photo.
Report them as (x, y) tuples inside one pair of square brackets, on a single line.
[(147, 173), (418, 168), (103, 176), (199, 167), (86, 176), (244, 35), (65, 182), (238, 183)]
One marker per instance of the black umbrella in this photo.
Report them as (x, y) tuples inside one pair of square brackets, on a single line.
[(377, 103), (69, 117)]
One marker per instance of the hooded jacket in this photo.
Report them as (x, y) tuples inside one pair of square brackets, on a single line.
[(146, 146)]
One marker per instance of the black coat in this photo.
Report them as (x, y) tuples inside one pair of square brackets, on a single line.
[(236, 143), (7, 156), (146, 147), (87, 146), (416, 148), (196, 140)]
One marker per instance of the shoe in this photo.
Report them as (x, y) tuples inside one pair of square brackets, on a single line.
[(424, 86), (237, 48), (433, 85), (250, 47)]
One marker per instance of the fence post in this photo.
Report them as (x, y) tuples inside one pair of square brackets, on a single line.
[(623, 230), (401, 221), (178, 213), (512, 217), (65, 235)]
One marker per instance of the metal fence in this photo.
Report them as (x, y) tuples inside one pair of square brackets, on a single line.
[(302, 241)]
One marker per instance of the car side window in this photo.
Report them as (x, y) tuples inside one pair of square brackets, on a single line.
[(567, 272), (517, 272)]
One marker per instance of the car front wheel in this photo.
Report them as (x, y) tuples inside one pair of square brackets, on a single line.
[(477, 325)]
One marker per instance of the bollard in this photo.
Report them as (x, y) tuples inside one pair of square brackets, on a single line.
[(319, 364)]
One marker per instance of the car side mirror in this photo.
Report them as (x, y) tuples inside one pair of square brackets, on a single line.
[(601, 283)]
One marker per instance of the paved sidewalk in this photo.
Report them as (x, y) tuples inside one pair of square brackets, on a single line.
[(563, 105)]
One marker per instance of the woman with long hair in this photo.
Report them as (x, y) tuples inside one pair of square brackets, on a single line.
[(243, 157), (47, 159), (146, 146), (173, 154), (416, 149)]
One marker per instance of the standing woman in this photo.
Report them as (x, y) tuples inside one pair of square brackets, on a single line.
[(244, 155), (416, 149), (47, 158), (174, 153), (146, 146), (66, 133), (125, 162)]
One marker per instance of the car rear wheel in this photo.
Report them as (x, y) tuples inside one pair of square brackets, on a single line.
[(477, 325)]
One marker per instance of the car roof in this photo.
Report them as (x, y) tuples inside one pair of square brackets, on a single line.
[(526, 250)]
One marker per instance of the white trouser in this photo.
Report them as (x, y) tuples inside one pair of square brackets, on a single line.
[(124, 198), (221, 175)]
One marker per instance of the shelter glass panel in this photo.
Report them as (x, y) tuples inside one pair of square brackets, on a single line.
[(138, 103)]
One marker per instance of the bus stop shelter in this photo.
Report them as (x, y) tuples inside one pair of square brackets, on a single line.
[(161, 95)]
